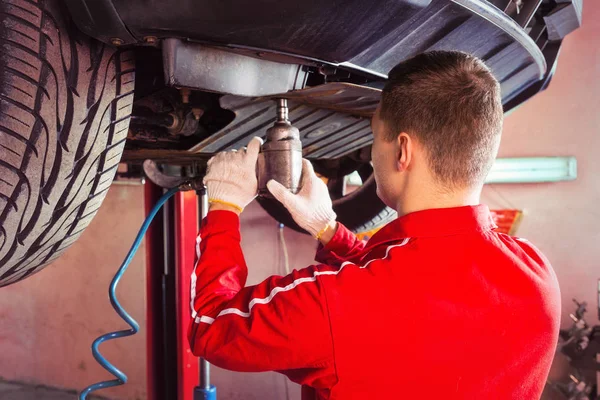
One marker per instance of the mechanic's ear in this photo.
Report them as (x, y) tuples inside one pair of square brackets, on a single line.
[(405, 148)]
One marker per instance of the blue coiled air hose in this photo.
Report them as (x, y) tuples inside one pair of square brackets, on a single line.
[(121, 377)]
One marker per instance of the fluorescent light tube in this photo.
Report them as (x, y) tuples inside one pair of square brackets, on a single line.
[(533, 170)]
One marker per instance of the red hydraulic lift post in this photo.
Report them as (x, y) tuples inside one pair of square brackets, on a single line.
[(186, 230), (154, 252), (172, 371)]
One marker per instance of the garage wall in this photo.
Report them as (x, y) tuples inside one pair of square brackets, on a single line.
[(48, 321), (562, 219)]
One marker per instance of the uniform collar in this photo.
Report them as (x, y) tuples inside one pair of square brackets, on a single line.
[(437, 222)]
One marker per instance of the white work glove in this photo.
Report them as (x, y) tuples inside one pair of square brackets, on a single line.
[(231, 177), (311, 208)]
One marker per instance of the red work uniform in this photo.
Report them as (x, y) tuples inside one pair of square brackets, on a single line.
[(437, 305)]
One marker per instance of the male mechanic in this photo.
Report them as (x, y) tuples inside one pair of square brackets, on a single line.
[(437, 305)]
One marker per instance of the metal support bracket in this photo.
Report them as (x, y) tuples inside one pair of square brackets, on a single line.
[(196, 66), (159, 178)]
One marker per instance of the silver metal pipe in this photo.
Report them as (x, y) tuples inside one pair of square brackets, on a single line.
[(204, 374), (204, 365), (203, 202)]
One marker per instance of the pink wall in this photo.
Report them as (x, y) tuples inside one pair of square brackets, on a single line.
[(48, 322), (562, 219)]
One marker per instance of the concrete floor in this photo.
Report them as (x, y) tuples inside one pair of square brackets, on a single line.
[(20, 391)]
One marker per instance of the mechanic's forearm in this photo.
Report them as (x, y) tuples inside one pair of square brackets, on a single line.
[(264, 327), (339, 245), (221, 271)]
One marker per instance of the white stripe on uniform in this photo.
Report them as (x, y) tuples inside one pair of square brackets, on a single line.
[(276, 290), (193, 285)]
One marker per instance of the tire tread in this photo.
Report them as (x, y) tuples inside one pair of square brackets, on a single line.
[(65, 105)]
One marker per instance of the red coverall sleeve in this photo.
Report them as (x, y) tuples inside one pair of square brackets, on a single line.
[(280, 324), (344, 246)]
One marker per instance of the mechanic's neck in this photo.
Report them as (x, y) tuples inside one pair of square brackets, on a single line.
[(426, 197)]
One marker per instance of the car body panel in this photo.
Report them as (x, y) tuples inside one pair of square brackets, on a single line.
[(366, 37)]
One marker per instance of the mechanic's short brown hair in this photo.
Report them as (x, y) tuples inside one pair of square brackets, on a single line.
[(450, 101)]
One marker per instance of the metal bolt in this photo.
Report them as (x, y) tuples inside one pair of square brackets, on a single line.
[(518, 5), (150, 39), (116, 41), (197, 113), (185, 95)]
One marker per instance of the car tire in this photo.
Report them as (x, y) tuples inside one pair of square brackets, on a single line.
[(65, 105), (360, 211)]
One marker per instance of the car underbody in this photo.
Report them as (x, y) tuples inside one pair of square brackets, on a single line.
[(330, 60), (87, 84)]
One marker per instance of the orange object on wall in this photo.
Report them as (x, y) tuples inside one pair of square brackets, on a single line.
[(507, 220)]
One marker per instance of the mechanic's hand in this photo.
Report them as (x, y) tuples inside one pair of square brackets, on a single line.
[(231, 178), (311, 208)]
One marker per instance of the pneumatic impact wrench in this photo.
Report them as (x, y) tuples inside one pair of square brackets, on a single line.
[(280, 156)]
